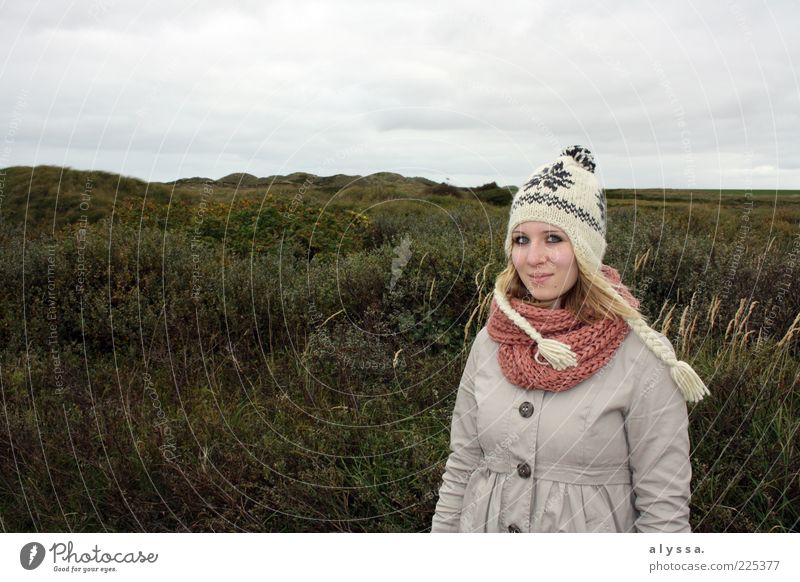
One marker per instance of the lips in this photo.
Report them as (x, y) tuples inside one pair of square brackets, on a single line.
[(540, 278)]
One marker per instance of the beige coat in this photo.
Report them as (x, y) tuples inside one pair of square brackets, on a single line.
[(610, 454)]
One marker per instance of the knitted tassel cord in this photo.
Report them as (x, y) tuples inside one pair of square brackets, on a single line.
[(689, 382), (557, 354)]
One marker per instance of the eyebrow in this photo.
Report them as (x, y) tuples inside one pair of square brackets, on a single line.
[(516, 231)]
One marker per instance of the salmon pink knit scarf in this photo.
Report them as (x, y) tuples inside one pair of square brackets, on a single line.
[(594, 344)]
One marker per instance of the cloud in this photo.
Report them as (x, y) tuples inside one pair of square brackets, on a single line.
[(474, 93)]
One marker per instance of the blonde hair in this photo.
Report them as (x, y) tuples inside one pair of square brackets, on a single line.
[(591, 299)]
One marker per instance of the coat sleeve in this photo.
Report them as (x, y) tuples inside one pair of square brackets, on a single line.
[(465, 451), (657, 429)]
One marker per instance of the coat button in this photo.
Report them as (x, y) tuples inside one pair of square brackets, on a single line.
[(526, 409), (524, 470), (514, 529)]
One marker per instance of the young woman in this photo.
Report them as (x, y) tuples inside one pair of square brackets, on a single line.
[(564, 420)]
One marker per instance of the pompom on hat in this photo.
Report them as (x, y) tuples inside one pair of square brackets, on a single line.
[(567, 194)]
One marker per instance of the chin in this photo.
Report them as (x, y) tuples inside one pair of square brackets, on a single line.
[(540, 297)]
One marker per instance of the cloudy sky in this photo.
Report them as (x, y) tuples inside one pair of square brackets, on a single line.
[(676, 94)]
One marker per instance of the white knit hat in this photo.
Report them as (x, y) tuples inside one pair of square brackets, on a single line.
[(566, 194)]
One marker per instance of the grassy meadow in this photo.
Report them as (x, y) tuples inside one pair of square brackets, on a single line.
[(282, 354)]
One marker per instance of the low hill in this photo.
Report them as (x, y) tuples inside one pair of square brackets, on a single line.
[(49, 198)]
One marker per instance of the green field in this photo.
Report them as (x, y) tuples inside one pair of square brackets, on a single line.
[(283, 354)]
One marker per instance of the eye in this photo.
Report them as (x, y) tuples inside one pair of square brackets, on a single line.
[(520, 239), (554, 238)]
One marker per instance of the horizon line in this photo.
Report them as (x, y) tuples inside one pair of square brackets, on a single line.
[(173, 181)]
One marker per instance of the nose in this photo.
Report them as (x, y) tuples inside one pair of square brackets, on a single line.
[(537, 254)]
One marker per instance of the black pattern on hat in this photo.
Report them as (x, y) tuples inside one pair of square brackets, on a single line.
[(535, 197), (552, 177), (601, 204)]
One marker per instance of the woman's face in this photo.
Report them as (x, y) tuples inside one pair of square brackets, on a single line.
[(543, 257)]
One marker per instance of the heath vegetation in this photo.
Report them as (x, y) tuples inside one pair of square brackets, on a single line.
[(283, 353)]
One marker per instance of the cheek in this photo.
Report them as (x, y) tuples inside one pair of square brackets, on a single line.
[(568, 267), (560, 258), (517, 258), (572, 275)]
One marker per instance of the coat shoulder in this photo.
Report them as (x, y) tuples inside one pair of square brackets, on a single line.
[(483, 346), (483, 335), (648, 372)]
